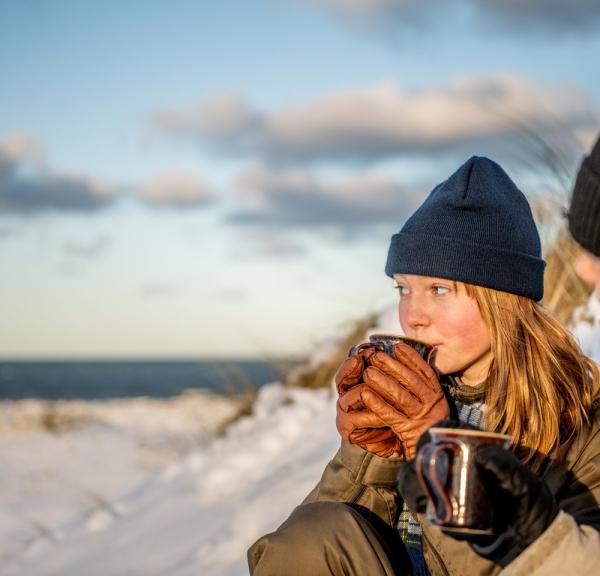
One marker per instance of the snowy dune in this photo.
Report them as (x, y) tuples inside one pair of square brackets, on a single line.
[(196, 515)]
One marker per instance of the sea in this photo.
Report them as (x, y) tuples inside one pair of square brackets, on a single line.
[(106, 379)]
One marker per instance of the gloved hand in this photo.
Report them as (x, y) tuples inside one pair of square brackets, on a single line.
[(404, 393), (523, 504), (354, 422), (350, 373), (360, 426)]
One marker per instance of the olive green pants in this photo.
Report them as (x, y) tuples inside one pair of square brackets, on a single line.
[(323, 538)]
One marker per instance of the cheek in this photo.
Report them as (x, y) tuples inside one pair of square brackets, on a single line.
[(466, 331), (474, 340)]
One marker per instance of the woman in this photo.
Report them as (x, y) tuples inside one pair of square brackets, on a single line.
[(469, 271)]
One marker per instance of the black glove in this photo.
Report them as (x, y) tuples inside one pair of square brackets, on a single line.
[(524, 505)]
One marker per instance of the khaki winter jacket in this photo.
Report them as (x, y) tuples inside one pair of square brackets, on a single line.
[(570, 544)]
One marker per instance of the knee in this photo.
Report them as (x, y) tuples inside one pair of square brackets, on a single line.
[(313, 523), (303, 536)]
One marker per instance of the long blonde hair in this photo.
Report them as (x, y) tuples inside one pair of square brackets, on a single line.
[(540, 386)]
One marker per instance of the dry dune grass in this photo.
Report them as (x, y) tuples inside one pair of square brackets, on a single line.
[(563, 290), (321, 374)]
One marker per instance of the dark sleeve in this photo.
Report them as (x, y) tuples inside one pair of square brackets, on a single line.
[(580, 494)]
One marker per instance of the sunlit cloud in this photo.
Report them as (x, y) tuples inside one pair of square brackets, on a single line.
[(226, 121), (383, 121), (29, 186), (296, 199), (175, 188)]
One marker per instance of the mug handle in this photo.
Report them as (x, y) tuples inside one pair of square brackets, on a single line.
[(433, 486)]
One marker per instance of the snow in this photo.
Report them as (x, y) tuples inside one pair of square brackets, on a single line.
[(149, 487), (85, 476), (107, 498), (586, 320)]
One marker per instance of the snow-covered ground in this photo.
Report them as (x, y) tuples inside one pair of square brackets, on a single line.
[(79, 475), (96, 502), (145, 487)]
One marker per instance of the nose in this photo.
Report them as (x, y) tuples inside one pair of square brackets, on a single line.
[(414, 315)]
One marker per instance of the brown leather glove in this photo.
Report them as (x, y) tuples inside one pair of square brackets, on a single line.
[(404, 393), (360, 426), (350, 373), (355, 423)]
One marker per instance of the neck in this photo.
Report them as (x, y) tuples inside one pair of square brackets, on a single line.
[(471, 382)]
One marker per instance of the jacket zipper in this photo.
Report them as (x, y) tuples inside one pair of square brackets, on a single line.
[(436, 554)]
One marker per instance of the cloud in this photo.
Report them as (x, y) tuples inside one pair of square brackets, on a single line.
[(226, 121), (381, 121), (550, 15), (175, 188), (513, 16), (28, 186), (19, 146), (297, 200)]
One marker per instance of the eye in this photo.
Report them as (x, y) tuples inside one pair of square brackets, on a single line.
[(403, 290), (440, 290)]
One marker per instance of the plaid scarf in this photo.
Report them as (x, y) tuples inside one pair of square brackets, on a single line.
[(470, 410)]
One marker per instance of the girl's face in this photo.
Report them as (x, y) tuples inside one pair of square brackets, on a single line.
[(441, 313)]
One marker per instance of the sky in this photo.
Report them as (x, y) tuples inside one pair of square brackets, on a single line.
[(183, 179)]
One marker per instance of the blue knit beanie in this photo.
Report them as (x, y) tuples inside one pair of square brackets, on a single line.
[(477, 228)]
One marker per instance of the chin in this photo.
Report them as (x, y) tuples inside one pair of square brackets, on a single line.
[(444, 368), (439, 369)]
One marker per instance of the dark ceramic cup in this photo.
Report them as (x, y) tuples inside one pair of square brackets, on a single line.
[(457, 499)]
